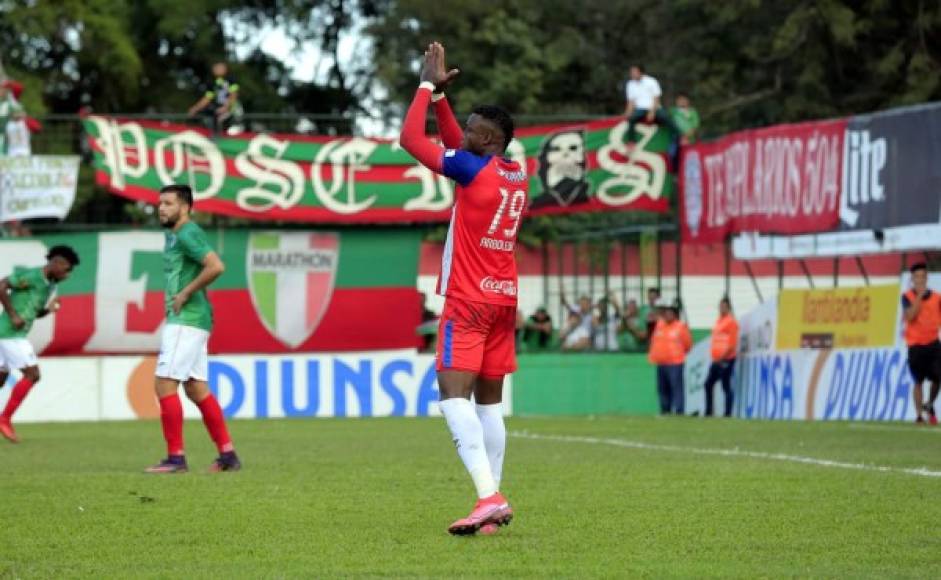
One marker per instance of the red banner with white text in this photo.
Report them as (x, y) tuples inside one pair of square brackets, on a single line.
[(784, 179)]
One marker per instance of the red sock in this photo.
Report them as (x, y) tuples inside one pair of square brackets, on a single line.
[(171, 418), (20, 390), (215, 423)]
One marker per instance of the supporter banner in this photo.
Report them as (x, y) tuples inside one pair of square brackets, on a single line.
[(891, 174), (373, 384), (572, 168), (37, 186), (282, 291), (865, 316), (782, 179)]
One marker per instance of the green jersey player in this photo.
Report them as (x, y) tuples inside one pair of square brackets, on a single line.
[(190, 266), (27, 294)]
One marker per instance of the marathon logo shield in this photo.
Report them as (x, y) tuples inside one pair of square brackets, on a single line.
[(291, 279)]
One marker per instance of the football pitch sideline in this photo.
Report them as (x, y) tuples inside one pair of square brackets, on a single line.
[(605, 497)]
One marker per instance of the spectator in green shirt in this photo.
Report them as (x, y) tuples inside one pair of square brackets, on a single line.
[(686, 119)]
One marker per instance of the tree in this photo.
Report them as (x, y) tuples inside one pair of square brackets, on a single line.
[(745, 62), (155, 55)]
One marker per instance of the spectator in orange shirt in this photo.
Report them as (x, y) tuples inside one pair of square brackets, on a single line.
[(922, 312), (724, 346), (669, 344)]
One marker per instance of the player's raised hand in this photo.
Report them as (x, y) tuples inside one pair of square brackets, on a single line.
[(443, 76), (433, 68)]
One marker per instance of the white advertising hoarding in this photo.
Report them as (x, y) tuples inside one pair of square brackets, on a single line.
[(369, 384)]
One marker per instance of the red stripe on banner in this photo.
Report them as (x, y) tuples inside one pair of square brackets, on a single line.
[(74, 325), (356, 319), (296, 214), (150, 317)]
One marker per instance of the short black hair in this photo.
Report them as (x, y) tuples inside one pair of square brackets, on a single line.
[(639, 66), (681, 94), (500, 117), (65, 252), (183, 192), (918, 266), (654, 289)]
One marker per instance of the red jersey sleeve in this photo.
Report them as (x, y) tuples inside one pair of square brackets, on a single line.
[(451, 134), (413, 138)]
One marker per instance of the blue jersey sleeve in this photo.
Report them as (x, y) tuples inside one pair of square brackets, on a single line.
[(462, 166)]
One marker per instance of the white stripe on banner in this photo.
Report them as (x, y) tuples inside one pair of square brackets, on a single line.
[(291, 302), (917, 471)]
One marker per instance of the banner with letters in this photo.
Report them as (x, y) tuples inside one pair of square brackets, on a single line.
[(882, 170), (892, 176), (397, 383), (282, 291), (781, 179), (891, 195), (573, 167), (37, 186)]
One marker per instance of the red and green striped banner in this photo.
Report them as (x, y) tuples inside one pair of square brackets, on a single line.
[(572, 168), (282, 291)]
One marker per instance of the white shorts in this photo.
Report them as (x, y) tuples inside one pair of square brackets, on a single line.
[(16, 354), (183, 353)]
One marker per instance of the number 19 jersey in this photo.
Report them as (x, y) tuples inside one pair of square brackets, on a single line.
[(478, 263)]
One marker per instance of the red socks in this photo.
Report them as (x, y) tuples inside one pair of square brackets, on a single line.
[(171, 418), (20, 390), (215, 423)]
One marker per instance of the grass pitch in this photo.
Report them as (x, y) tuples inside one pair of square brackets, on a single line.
[(607, 497)]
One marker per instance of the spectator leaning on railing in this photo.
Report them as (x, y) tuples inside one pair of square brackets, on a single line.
[(220, 101), (686, 119), (670, 342), (607, 323), (578, 330), (537, 330), (650, 313), (633, 327)]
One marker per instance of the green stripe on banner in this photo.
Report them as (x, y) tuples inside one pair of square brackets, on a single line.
[(376, 259), (285, 177), (266, 289)]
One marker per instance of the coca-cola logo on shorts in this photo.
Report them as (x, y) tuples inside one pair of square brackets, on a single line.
[(505, 287)]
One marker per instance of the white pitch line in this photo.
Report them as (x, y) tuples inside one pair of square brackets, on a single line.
[(917, 471)]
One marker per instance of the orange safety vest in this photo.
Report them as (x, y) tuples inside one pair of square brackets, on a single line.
[(724, 338), (923, 329), (670, 343)]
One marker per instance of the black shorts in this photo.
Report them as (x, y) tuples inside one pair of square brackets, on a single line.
[(924, 360)]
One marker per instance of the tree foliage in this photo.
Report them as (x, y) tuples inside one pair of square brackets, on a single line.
[(745, 62), (155, 55)]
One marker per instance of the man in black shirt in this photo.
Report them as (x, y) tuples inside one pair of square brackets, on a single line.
[(220, 103)]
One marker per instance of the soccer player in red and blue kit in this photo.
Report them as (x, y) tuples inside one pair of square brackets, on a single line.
[(476, 346)]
